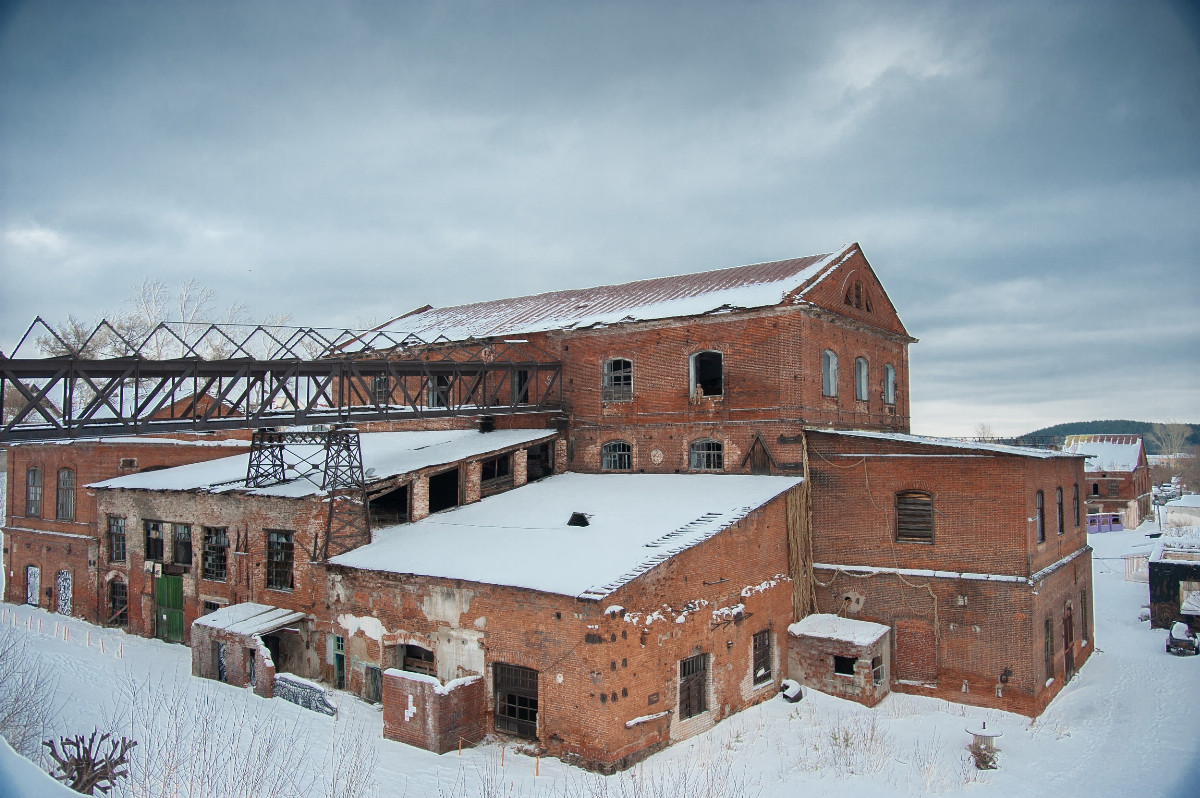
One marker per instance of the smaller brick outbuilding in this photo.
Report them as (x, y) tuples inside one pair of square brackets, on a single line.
[(1175, 582), (841, 656)]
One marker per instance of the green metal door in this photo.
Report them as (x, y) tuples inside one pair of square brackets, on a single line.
[(168, 600)]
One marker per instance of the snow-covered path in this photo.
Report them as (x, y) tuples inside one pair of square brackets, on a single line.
[(1124, 726)]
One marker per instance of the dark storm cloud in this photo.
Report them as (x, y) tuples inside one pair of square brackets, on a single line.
[(1024, 178)]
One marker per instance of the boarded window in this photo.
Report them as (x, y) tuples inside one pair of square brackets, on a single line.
[(65, 498), (708, 377), (762, 657), (516, 691), (844, 666), (829, 373), (33, 493), (215, 554), (279, 559), (616, 380), (860, 379), (116, 539), (706, 455), (181, 544), (154, 540), (914, 516), (693, 686), (616, 456)]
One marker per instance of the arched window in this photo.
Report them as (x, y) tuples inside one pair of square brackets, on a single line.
[(857, 296), (889, 384), (829, 373), (1041, 517), (860, 379), (64, 508), (616, 380), (706, 455), (914, 516), (33, 493), (707, 374), (616, 456)]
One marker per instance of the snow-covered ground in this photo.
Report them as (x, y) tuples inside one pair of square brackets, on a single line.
[(1126, 725)]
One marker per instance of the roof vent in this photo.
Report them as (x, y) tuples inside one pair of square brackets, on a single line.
[(578, 519), (487, 423)]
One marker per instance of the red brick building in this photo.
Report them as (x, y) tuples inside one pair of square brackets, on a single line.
[(1117, 475), (738, 460)]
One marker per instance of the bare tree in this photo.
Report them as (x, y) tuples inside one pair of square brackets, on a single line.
[(28, 689), (84, 767), (1170, 438), (984, 430)]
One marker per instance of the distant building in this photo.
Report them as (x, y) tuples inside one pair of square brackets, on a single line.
[(1118, 478)]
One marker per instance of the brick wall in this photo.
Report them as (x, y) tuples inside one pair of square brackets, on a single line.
[(811, 662), (419, 711)]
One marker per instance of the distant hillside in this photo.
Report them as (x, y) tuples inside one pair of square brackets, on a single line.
[(1111, 427)]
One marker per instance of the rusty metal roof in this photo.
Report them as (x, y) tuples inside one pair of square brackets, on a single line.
[(754, 286)]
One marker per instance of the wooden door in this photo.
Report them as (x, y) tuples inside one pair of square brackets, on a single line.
[(33, 584), (63, 584), (168, 616)]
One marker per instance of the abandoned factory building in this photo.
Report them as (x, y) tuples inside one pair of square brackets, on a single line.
[(729, 455)]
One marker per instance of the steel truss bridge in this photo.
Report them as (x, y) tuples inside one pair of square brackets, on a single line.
[(194, 377)]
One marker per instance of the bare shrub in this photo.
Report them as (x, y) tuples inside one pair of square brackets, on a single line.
[(29, 703)]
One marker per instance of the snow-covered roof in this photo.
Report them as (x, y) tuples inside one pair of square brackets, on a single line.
[(756, 286), (1186, 500), (1180, 545), (137, 440), (1106, 452), (834, 627), (953, 443), (384, 455), (521, 537), (249, 618)]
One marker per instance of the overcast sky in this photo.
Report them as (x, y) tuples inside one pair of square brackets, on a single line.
[(1024, 178)]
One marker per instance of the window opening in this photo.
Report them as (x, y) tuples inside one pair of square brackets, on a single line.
[(914, 516), (1049, 645), (707, 374), (877, 674), (844, 666), (1075, 503), (1058, 498), (829, 373), (443, 491), (116, 539), (616, 456), (522, 387), (516, 691), (439, 391), (1095, 488), (539, 462), (33, 493), (860, 379), (1083, 615), (706, 455), (279, 559), (390, 507), (154, 540), (381, 390), (65, 497), (118, 603), (889, 384), (216, 550), (418, 660), (181, 538), (1041, 517), (339, 662), (693, 686), (211, 607), (761, 662), (616, 380)]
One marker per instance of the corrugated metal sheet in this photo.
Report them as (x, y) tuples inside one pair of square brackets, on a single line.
[(757, 285)]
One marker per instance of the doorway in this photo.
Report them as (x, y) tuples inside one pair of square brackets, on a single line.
[(63, 584), (33, 584), (516, 690), (168, 601), (443, 491)]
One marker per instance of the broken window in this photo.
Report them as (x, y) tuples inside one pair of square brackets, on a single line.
[(439, 391), (443, 491), (418, 660), (1040, 516), (64, 509), (516, 691), (539, 462), (706, 455), (381, 390), (211, 607), (279, 559), (857, 296), (1059, 503), (889, 384), (116, 538), (522, 387), (33, 493), (616, 380), (1075, 504), (877, 674), (761, 662), (707, 374), (829, 373), (860, 379), (496, 475), (616, 456), (214, 554), (154, 540), (844, 666), (914, 516), (390, 507), (118, 603), (693, 686), (181, 546)]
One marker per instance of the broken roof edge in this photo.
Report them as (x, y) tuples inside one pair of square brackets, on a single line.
[(949, 443)]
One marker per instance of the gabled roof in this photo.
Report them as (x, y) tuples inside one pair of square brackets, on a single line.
[(1107, 452), (521, 538), (741, 287)]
